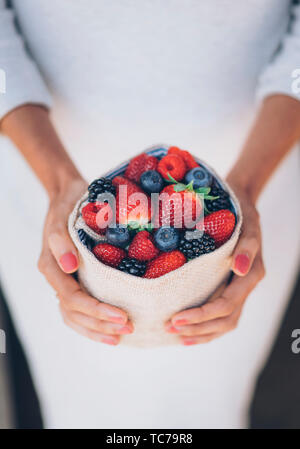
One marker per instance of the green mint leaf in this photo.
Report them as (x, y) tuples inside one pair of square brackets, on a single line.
[(189, 186), (211, 198), (179, 187), (172, 179), (203, 190)]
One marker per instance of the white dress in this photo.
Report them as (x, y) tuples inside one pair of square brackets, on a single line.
[(125, 75)]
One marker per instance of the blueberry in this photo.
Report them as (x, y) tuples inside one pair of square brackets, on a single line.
[(118, 236), (167, 239), (200, 176), (151, 181)]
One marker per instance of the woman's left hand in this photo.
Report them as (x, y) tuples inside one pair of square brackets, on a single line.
[(222, 312)]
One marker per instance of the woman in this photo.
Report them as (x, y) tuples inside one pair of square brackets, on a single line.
[(124, 75)]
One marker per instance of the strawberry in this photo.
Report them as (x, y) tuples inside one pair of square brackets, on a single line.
[(109, 254), (132, 187), (179, 208), (142, 247), (186, 156), (220, 225), (138, 165), (97, 216), (129, 206), (173, 165), (164, 263), (133, 170), (150, 164)]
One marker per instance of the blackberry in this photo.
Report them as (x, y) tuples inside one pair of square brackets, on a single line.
[(223, 202), (85, 239), (196, 247), (99, 186), (132, 266)]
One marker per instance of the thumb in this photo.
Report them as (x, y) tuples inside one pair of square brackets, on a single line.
[(64, 251), (244, 255)]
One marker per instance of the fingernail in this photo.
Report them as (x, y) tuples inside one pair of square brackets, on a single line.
[(241, 263), (172, 330), (68, 262), (189, 342), (109, 341), (116, 318), (180, 322), (125, 330)]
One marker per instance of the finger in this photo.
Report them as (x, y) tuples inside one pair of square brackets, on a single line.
[(64, 250), (92, 335), (232, 297), (189, 341), (104, 327), (218, 308), (73, 298), (209, 327), (248, 245)]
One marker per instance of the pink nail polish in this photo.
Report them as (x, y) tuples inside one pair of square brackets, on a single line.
[(189, 342), (68, 262), (109, 341), (180, 322), (125, 330), (113, 315), (172, 330), (241, 263), (119, 319)]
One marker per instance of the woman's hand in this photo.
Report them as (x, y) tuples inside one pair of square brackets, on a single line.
[(86, 315), (31, 130), (222, 312), (275, 130)]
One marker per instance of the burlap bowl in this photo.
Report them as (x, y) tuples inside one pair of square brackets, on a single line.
[(151, 302)]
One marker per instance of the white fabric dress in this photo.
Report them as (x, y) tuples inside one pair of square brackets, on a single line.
[(124, 75)]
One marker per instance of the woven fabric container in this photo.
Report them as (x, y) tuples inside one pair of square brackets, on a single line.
[(151, 302)]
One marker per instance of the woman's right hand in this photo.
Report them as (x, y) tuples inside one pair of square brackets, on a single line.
[(59, 258), (29, 127)]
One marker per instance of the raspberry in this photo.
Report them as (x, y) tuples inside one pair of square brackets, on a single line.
[(172, 165), (186, 156)]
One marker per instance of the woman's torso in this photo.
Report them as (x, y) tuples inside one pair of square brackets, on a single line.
[(128, 74)]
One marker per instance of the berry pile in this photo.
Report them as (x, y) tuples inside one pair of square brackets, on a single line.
[(192, 216), (192, 248)]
